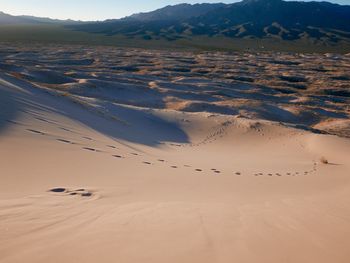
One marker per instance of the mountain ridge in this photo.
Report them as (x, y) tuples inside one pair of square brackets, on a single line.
[(275, 23), (294, 20), (175, 12), (7, 19)]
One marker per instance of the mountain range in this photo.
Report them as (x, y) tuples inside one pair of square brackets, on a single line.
[(320, 21), (315, 22)]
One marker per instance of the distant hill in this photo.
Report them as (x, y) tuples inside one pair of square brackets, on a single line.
[(6, 19), (313, 21)]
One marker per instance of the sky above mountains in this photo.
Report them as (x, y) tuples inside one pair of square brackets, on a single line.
[(94, 9)]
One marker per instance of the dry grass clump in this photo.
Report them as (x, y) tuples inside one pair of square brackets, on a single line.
[(324, 160)]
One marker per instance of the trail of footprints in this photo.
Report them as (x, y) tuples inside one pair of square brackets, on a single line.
[(221, 131), (213, 136)]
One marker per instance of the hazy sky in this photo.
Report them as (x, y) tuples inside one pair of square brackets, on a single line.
[(93, 9)]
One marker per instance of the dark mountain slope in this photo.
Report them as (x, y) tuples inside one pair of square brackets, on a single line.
[(177, 12), (319, 21), (274, 17)]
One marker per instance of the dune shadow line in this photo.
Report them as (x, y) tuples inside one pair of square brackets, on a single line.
[(10, 108)]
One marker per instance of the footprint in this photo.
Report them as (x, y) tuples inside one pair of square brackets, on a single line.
[(160, 160), (198, 170), (65, 141), (186, 165), (65, 129), (44, 120), (238, 173), (83, 193), (117, 156), (58, 190), (88, 138), (174, 166), (111, 146), (217, 172), (147, 163), (35, 131), (90, 149), (13, 122), (134, 154)]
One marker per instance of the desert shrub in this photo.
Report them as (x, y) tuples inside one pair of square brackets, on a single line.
[(323, 160)]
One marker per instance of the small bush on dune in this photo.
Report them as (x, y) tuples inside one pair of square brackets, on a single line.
[(324, 160)]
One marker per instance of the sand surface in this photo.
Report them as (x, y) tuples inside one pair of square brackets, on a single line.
[(97, 168)]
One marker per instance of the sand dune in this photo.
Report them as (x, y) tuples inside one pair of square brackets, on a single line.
[(118, 166), (298, 89)]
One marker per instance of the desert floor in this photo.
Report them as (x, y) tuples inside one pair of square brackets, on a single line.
[(112, 155)]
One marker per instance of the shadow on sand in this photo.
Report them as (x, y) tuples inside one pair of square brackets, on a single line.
[(132, 125), (138, 126), (9, 108)]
